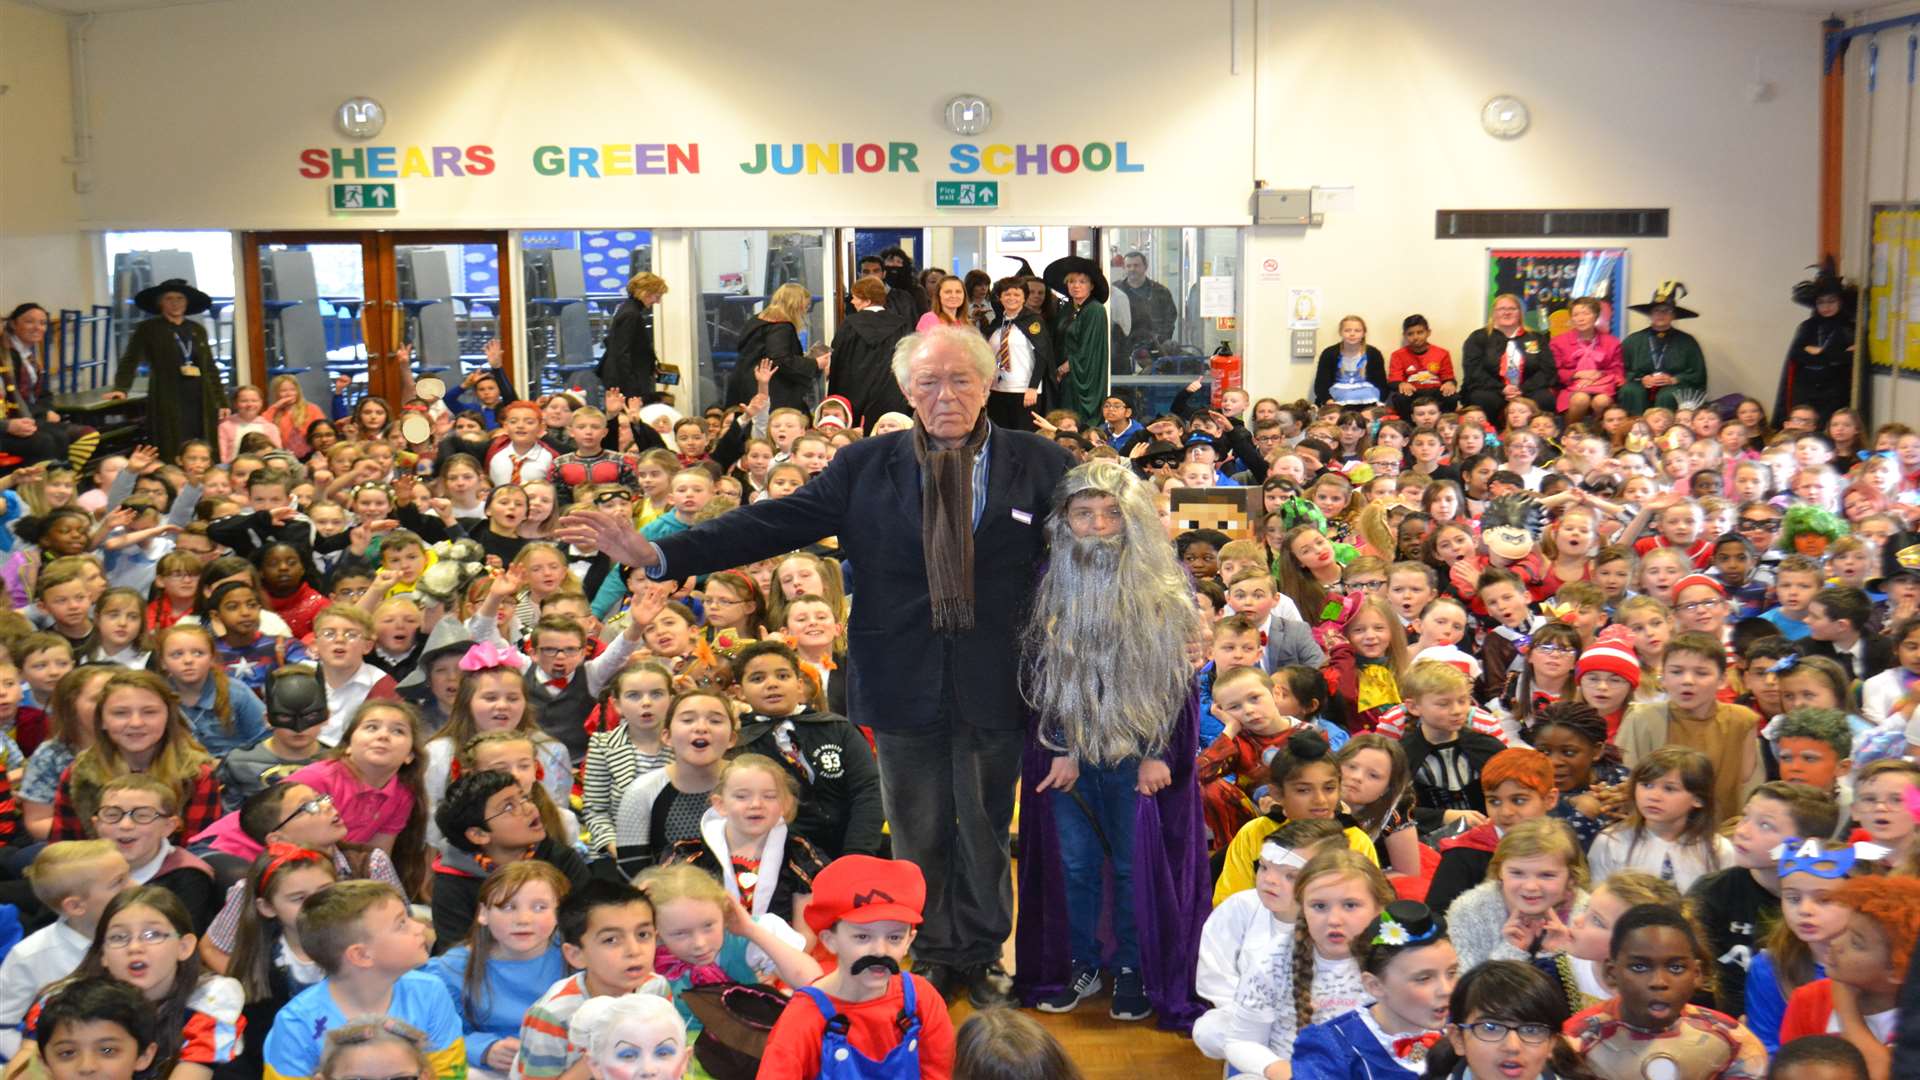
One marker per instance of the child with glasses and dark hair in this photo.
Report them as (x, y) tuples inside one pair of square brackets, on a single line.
[(1506, 1017)]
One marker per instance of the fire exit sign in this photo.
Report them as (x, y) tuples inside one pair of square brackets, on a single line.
[(368, 197), (966, 194)]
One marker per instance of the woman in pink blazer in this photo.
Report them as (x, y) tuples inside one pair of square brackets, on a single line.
[(1591, 365)]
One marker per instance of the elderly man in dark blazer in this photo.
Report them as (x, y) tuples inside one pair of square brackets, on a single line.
[(945, 524)]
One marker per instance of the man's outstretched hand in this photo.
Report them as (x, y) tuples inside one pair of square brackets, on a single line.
[(612, 531)]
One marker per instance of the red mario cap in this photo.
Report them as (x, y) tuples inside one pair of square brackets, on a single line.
[(862, 888)]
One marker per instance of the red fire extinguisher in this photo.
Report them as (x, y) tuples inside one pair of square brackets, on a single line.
[(1225, 368)]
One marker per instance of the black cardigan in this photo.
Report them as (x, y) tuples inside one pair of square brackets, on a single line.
[(1329, 370), (629, 361), (795, 374)]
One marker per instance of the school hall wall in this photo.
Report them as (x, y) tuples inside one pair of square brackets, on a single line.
[(201, 114), (44, 254)]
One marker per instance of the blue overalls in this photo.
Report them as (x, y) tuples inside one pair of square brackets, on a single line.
[(840, 1060)]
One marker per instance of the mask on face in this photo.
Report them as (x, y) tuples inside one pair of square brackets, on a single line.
[(295, 700)]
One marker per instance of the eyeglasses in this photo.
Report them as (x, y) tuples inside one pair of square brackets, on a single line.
[(1759, 525), (141, 815), (1493, 1031), (606, 497), (311, 806), (1878, 802), (152, 935), (1695, 606), (556, 652), (511, 806), (339, 635), (1368, 586), (1547, 647)]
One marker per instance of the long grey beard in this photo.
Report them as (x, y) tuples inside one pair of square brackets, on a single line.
[(1106, 647)]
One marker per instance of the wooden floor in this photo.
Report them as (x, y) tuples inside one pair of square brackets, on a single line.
[(1106, 1049)]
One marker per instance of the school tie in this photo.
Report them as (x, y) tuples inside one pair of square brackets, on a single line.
[(1006, 347), (517, 461)]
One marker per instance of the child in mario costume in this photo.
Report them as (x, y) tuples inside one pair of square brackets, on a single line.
[(865, 1019)]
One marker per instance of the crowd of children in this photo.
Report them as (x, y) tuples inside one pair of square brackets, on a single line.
[(1525, 748)]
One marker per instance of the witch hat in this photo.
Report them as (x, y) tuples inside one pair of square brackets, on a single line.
[(1669, 294)]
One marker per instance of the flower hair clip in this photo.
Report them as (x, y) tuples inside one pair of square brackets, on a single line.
[(1406, 922)]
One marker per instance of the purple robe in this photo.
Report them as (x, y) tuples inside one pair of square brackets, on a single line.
[(1172, 889)]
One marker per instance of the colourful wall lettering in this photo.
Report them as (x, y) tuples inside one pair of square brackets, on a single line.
[(789, 159), (395, 162), (606, 160), (617, 159), (1040, 159)]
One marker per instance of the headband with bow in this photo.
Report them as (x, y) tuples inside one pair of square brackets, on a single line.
[(487, 655)]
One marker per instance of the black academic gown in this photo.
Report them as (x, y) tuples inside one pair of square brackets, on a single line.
[(862, 368), (1826, 378), (179, 406)]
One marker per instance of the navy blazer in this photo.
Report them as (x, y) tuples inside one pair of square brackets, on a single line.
[(869, 496)]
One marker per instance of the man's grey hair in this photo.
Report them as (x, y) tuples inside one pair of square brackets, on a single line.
[(964, 338)]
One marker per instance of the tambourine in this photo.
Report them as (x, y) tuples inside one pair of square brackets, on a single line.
[(429, 388), (416, 428)]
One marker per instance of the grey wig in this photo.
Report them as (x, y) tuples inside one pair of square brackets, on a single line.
[(1105, 649)]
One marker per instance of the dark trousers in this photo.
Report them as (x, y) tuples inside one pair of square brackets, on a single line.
[(1009, 410), (949, 790), (44, 445)]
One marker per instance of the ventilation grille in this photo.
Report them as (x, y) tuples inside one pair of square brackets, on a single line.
[(1504, 224)]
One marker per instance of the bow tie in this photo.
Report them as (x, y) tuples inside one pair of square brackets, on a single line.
[(558, 684), (671, 967), (1415, 1047)]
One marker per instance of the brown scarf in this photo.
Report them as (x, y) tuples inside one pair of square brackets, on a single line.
[(946, 525)]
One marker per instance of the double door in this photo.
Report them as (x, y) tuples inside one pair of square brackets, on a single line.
[(333, 309)]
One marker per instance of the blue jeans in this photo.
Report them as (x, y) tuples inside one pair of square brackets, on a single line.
[(1109, 794)]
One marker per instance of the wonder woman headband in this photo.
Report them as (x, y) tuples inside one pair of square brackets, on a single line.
[(1810, 856)]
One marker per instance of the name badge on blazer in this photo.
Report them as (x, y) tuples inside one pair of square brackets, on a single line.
[(1022, 516)]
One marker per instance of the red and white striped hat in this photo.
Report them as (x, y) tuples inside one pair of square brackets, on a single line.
[(1612, 652)]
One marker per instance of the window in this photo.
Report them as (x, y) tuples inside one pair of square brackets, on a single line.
[(136, 260), (1174, 300), (576, 279), (738, 270)]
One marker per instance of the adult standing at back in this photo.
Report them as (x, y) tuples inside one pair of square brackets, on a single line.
[(774, 334), (947, 525), (185, 399), (1504, 360), (1154, 318), (1080, 333), (629, 363), (863, 355)]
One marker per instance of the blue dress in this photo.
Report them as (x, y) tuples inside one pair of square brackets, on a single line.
[(1349, 1047)]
